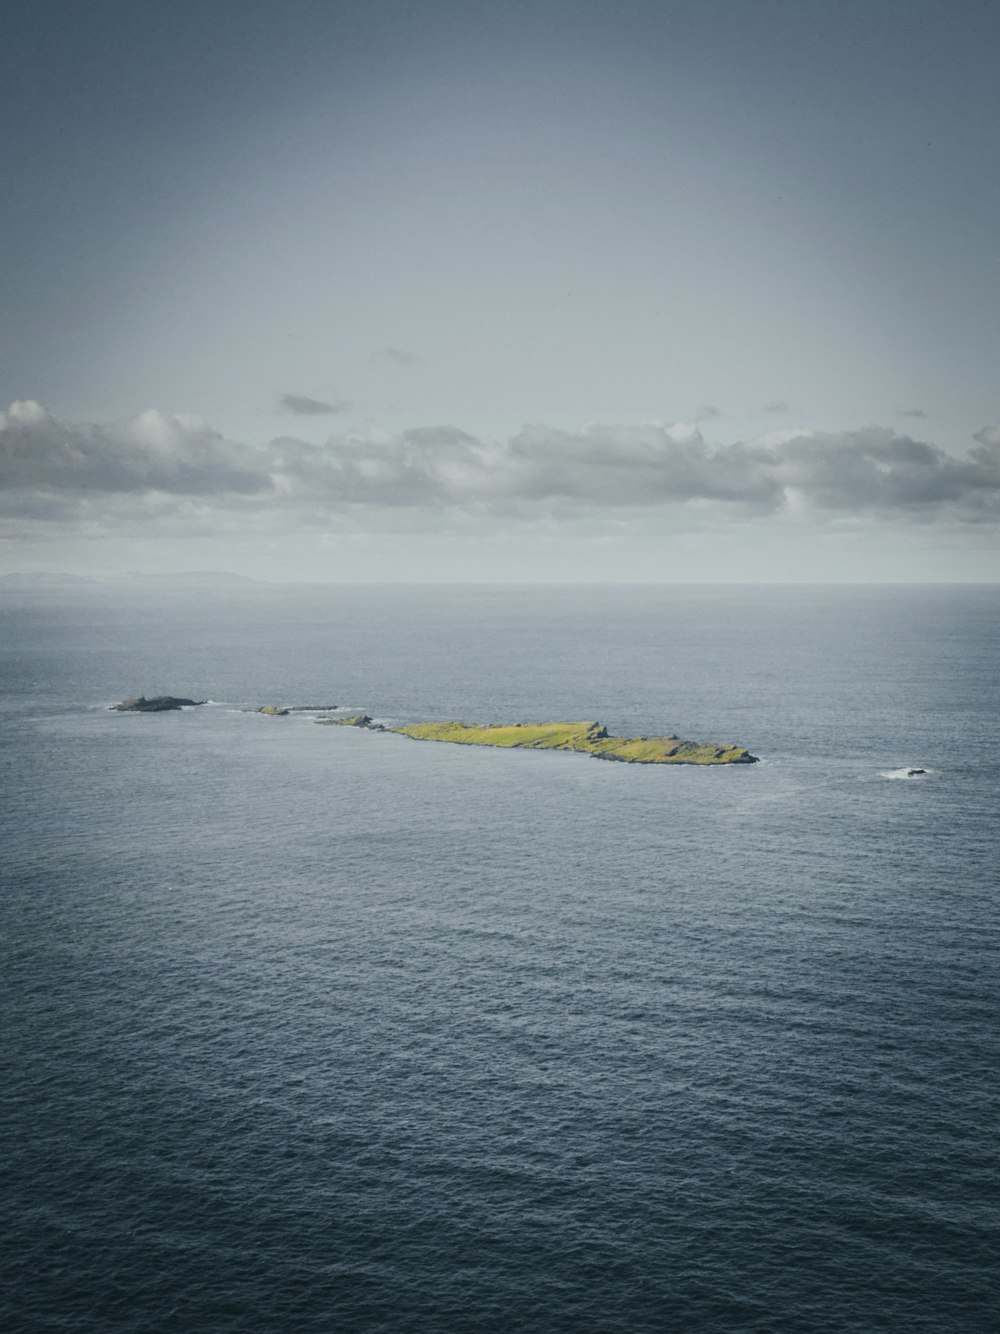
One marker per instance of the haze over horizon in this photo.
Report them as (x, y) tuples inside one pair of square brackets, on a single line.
[(567, 291)]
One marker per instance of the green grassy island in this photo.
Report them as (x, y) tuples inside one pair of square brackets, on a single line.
[(589, 738)]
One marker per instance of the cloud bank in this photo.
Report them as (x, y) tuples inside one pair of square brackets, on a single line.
[(51, 470)]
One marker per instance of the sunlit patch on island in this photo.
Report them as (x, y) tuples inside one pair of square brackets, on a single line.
[(589, 738)]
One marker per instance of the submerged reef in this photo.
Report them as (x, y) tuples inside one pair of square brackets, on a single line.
[(588, 738)]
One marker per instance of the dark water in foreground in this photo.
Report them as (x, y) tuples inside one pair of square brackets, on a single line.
[(312, 1029)]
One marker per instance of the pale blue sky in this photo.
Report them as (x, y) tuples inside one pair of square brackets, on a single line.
[(362, 220)]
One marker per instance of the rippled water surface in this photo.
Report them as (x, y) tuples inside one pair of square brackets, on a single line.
[(311, 1028)]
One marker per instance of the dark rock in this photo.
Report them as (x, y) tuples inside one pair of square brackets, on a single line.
[(355, 720), (159, 704), (913, 773)]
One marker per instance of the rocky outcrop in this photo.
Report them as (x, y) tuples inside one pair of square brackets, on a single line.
[(159, 704), (282, 711), (354, 720)]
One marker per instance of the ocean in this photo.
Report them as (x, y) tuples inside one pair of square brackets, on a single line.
[(318, 1029)]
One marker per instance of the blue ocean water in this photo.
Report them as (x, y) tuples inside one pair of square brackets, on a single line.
[(316, 1029)]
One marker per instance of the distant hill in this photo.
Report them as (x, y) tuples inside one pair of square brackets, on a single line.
[(43, 579), (194, 579), (183, 578)]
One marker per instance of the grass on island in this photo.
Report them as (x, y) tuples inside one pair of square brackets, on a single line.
[(588, 738)]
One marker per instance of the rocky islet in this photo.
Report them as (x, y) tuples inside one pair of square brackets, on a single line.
[(158, 704)]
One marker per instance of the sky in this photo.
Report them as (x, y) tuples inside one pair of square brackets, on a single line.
[(352, 290)]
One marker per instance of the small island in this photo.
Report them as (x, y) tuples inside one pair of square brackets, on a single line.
[(588, 738), (585, 738)]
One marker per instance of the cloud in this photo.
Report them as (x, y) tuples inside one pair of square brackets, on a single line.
[(393, 356), (707, 412), (776, 405), (302, 406), (916, 413), (988, 437), (150, 452), (161, 469), (877, 471)]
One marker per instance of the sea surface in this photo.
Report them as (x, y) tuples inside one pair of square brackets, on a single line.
[(316, 1029)]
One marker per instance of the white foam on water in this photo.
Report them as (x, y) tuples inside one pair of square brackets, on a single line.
[(905, 773)]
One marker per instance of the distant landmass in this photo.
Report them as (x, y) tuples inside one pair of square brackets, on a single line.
[(36, 579), (39, 579)]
